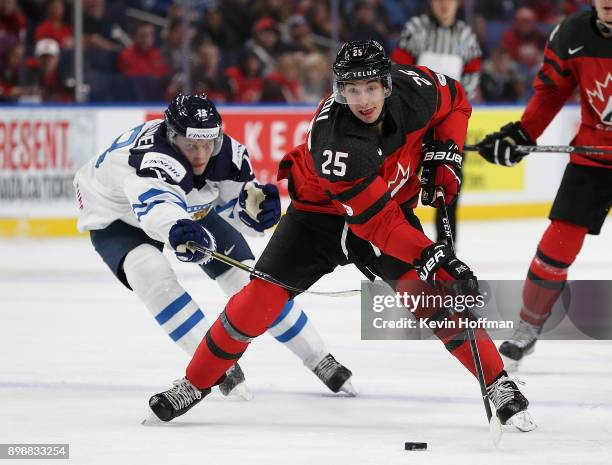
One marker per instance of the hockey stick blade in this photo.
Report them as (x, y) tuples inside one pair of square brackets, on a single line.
[(596, 150), (194, 246), (495, 431)]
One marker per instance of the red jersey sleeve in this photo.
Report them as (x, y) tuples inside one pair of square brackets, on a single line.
[(453, 109), (554, 84)]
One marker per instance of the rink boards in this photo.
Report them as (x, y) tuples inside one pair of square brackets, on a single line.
[(42, 147)]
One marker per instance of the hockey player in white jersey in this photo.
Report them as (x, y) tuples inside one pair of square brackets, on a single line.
[(168, 181)]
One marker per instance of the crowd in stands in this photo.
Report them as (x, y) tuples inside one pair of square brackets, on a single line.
[(243, 50)]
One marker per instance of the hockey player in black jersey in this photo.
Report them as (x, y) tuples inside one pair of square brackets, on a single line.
[(353, 187)]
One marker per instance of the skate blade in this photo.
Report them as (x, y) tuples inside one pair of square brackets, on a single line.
[(522, 421), (495, 431), (241, 391), (348, 388), (510, 365), (152, 420)]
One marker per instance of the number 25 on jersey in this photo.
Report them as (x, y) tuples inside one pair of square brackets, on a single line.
[(338, 167)]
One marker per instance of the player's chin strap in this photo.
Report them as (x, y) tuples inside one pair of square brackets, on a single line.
[(495, 428), (264, 276)]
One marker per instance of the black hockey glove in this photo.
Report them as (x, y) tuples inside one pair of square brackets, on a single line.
[(439, 267), (441, 170), (499, 147)]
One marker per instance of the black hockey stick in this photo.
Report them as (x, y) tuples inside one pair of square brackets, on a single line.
[(266, 277), (494, 424), (602, 150)]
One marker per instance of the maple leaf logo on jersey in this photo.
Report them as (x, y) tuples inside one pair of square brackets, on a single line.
[(405, 173), (600, 99)]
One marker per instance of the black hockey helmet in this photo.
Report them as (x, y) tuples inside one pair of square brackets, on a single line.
[(194, 117), (360, 60)]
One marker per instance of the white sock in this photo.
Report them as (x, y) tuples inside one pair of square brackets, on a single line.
[(153, 280), (292, 327)]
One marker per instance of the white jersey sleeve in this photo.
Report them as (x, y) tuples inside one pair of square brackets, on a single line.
[(146, 190)]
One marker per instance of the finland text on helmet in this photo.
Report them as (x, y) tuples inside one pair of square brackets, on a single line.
[(361, 60), (194, 117)]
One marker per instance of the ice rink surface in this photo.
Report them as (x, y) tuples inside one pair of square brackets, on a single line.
[(80, 357)]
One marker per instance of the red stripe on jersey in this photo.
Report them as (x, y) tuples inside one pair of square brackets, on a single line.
[(362, 201), (553, 85), (390, 232)]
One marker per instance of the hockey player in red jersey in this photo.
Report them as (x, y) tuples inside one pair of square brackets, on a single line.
[(353, 187), (579, 53)]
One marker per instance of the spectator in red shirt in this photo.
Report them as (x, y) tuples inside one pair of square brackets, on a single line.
[(12, 27), (246, 79), (142, 58), (42, 80), (524, 32), (54, 26)]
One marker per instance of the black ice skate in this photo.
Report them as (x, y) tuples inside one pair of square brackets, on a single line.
[(510, 403), (520, 344), (335, 375), (234, 384), (177, 400)]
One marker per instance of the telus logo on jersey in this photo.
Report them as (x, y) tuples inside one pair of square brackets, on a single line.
[(162, 161), (600, 99)]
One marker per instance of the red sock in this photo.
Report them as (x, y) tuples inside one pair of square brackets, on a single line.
[(547, 273), (248, 314), (455, 339)]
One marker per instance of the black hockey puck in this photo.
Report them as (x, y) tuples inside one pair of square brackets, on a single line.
[(415, 446)]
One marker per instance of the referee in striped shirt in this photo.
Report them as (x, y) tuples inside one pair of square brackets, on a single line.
[(448, 46)]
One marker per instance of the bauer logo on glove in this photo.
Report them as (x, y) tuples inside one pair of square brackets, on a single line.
[(451, 156), (441, 170)]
